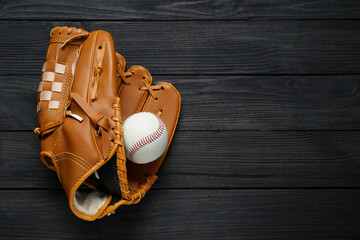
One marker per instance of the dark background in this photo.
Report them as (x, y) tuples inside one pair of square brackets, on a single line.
[(267, 146)]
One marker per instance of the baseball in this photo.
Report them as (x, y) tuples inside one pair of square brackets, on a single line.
[(145, 137)]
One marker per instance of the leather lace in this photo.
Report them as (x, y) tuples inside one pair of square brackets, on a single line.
[(100, 122), (150, 88), (123, 75), (98, 70)]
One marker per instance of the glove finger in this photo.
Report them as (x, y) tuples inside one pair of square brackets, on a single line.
[(121, 60), (131, 96), (53, 95), (166, 105), (85, 144)]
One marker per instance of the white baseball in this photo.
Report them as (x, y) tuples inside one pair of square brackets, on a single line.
[(145, 137)]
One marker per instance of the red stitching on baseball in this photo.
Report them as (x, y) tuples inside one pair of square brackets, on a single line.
[(148, 139)]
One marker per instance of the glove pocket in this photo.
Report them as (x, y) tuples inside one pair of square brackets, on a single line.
[(57, 76)]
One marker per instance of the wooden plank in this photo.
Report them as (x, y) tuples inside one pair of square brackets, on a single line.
[(179, 10), (230, 103), (200, 47), (236, 159), (189, 214)]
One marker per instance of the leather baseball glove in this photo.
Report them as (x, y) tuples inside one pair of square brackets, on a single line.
[(82, 84)]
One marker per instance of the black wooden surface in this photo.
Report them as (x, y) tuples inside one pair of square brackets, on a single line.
[(267, 145)]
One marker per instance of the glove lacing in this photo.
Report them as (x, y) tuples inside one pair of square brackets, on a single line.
[(150, 88)]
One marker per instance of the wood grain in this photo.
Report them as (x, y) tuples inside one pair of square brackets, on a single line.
[(179, 10), (209, 160), (225, 103), (189, 214), (267, 145), (198, 48)]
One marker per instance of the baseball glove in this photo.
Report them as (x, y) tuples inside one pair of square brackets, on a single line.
[(80, 117)]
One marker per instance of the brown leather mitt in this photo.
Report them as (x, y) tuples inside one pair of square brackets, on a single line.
[(80, 120)]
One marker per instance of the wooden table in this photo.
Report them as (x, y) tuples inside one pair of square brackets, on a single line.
[(268, 142)]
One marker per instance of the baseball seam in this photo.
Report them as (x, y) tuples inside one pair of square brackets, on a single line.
[(146, 140)]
